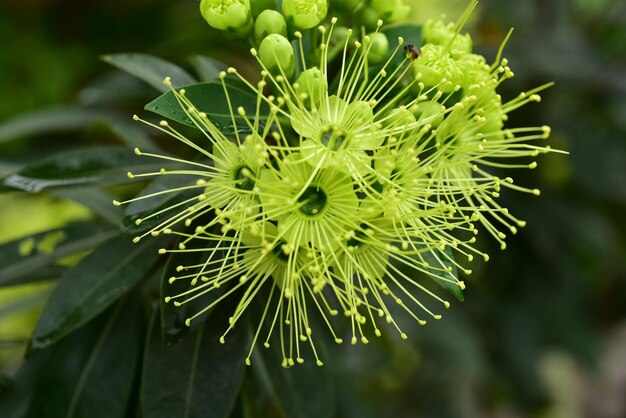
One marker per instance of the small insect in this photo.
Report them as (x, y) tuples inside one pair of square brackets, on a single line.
[(412, 51)]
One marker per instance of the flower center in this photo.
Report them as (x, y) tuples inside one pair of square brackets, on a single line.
[(313, 201), (277, 250), (332, 139), (357, 239), (243, 176)]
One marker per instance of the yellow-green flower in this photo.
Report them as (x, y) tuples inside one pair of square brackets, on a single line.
[(353, 190)]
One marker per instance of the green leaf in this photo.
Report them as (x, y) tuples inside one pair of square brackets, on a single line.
[(207, 68), (94, 284), (129, 132), (25, 258), (114, 88), (442, 260), (304, 390), (150, 69), (16, 397), (90, 374), (97, 200), (197, 378), (47, 121), (145, 207), (173, 327), (81, 167), (66, 119), (211, 99)]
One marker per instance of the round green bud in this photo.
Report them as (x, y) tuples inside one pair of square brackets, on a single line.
[(346, 5), (379, 48), (269, 21), (305, 14), (276, 54), (438, 33), (475, 71), (434, 65), (233, 16), (313, 84), (390, 10), (400, 116), (429, 112), (258, 6), (367, 17)]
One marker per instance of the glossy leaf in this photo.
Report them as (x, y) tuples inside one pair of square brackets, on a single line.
[(97, 200), (207, 68), (144, 208), (196, 378), (304, 390), (93, 285), (173, 327), (16, 395), (150, 69), (81, 167), (90, 374), (23, 259), (48, 121), (65, 119), (445, 263), (129, 131), (210, 99)]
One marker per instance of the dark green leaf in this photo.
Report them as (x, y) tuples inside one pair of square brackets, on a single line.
[(113, 88), (150, 69), (93, 285), (443, 260), (129, 132), (144, 208), (16, 397), (173, 318), (49, 120), (81, 167), (90, 374), (24, 258), (66, 119), (197, 378), (97, 200), (304, 390), (210, 99), (207, 68)]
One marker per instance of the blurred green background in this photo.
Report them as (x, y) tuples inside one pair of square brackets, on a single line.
[(543, 330)]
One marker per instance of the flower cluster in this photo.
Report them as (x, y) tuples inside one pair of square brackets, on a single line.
[(355, 189)]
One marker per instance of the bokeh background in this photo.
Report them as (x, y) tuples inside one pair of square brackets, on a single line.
[(543, 330)]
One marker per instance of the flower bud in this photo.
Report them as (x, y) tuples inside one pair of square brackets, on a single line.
[(367, 17), (379, 48), (390, 10), (398, 117), (305, 14), (435, 67), (257, 6), (276, 54), (233, 16), (269, 21), (438, 33), (346, 5), (429, 112), (313, 84)]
